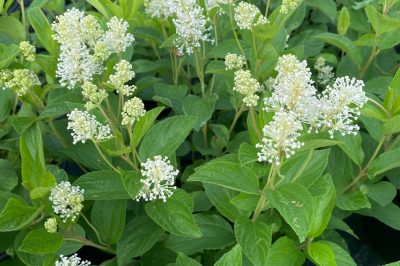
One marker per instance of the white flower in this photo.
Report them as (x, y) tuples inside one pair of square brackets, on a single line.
[(190, 24), (288, 5), (28, 50), (67, 200), (246, 85), (116, 37), (159, 178), (85, 126), (74, 260), (123, 74), (341, 104), (234, 61), (247, 16), (21, 80), (51, 225), (210, 4), (159, 8), (293, 90), (325, 72), (93, 95), (280, 138), (132, 111)]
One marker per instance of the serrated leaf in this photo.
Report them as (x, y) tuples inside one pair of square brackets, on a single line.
[(285, 252), (231, 258)]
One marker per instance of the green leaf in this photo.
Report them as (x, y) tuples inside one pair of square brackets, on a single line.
[(7, 54), (248, 233), (33, 170), (384, 162), (216, 67), (108, 217), (63, 104), (295, 204), (343, 43), (216, 234), (321, 254), (343, 21), (142, 126), (11, 30), (382, 192), (351, 145), (305, 168), (351, 201), (284, 252), (22, 123), (8, 177), (165, 137), (39, 241), (389, 215), (328, 7), (229, 175), (323, 192), (202, 108), (102, 185), (175, 215), (183, 260), (132, 184), (381, 23), (392, 125), (247, 154), (228, 46), (231, 258), (42, 28), (139, 236), (341, 256), (16, 215)]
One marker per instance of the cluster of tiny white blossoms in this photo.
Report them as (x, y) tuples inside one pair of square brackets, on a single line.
[(288, 5), (123, 74), (191, 27), (20, 80), (51, 225), (210, 4), (93, 95), (341, 104), (159, 178), (234, 61), (132, 111), (67, 200), (85, 127), (248, 16), (73, 260), (28, 51), (85, 45), (294, 101), (159, 8), (325, 72), (248, 86), (280, 136)]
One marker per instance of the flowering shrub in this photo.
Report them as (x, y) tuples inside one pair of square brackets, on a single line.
[(167, 132)]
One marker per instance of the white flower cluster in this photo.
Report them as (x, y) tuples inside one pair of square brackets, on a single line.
[(248, 86), (325, 72), (20, 80), (84, 126), (67, 200), (93, 95), (159, 8), (51, 225), (159, 179), (190, 24), (294, 101), (84, 45), (123, 74), (248, 16), (73, 260), (280, 137), (234, 61), (210, 4), (288, 5), (28, 51), (132, 111)]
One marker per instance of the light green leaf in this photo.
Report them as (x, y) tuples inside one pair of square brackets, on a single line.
[(16, 215), (43, 29), (384, 162), (392, 125), (284, 252), (328, 7), (142, 126), (248, 233), (351, 201), (102, 185), (295, 203), (247, 154), (342, 258), (321, 254), (108, 217), (183, 260), (11, 30), (7, 54), (165, 137), (382, 192), (39, 241), (343, 21), (139, 236), (175, 215), (8, 177), (351, 145), (231, 258), (229, 175), (380, 22)]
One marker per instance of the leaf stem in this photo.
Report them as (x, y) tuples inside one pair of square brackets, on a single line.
[(93, 228), (104, 157)]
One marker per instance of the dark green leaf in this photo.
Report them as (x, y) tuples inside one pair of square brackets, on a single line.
[(231, 258), (42, 28), (39, 241), (8, 177), (382, 192)]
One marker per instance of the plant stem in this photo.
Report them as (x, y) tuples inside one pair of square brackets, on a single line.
[(380, 106), (254, 123), (104, 157), (267, 8), (236, 118), (93, 228), (78, 238), (200, 72), (22, 5), (262, 202)]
